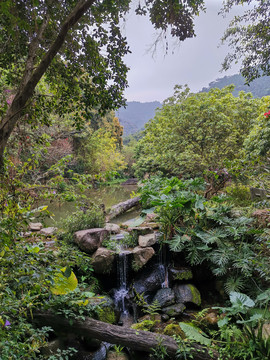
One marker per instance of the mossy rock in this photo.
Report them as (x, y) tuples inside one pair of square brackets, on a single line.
[(106, 314), (145, 325), (187, 293), (174, 329), (106, 311), (182, 273)]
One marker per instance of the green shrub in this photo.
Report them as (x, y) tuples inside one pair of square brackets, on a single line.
[(92, 217), (240, 194)]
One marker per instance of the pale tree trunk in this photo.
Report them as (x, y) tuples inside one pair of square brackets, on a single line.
[(31, 78), (122, 207)]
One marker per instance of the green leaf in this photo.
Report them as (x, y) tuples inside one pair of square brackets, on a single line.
[(62, 284), (241, 299), (67, 272), (194, 333), (223, 322)]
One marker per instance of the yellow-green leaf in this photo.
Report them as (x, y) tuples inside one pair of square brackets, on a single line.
[(62, 284)]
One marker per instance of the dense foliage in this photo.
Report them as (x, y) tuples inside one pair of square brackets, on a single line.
[(192, 133), (236, 250), (78, 47), (248, 36)]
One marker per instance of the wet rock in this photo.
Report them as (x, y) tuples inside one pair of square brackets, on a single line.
[(49, 231), (112, 228), (102, 260), (147, 240), (187, 293), (35, 226), (149, 281), (174, 310), (165, 297), (90, 240), (180, 273), (141, 256), (119, 236)]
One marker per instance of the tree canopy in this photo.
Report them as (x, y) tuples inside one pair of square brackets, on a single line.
[(78, 46), (248, 35), (195, 132)]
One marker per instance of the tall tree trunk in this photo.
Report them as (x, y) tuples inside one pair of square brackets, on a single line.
[(29, 82)]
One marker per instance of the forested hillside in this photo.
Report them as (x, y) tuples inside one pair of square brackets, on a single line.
[(136, 114), (258, 87)]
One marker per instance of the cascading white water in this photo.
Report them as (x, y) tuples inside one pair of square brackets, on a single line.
[(163, 267), (122, 291)]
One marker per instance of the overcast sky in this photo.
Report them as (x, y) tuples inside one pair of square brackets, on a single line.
[(195, 61)]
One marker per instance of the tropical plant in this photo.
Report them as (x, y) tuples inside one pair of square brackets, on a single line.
[(172, 200), (207, 232), (242, 326)]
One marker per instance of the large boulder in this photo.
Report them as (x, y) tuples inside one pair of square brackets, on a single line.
[(149, 281), (165, 297), (147, 240), (141, 256), (90, 240), (102, 260), (187, 293), (112, 228)]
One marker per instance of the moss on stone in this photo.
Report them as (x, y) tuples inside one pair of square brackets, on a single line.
[(183, 275), (174, 329), (106, 314), (145, 325), (196, 296)]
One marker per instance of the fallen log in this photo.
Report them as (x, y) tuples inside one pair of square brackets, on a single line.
[(122, 207), (134, 339)]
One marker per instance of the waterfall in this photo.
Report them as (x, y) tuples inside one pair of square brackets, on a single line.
[(163, 266), (122, 291), (101, 353)]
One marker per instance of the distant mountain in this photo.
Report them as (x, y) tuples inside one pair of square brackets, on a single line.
[(136, 114), (259, 87)]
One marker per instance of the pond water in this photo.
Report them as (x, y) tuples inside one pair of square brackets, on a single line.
[(107, 195)]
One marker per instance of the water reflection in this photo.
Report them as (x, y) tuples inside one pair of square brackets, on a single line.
[(107, 195)]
